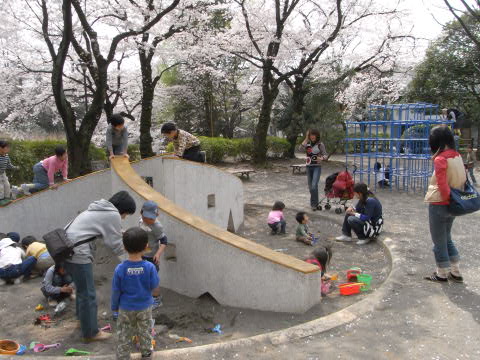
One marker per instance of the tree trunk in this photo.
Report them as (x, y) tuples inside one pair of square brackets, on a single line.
[(78, 156), (148, 91), (269, 93), (296, 119)]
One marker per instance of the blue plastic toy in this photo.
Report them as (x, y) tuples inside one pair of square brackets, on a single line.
[(218, 329)]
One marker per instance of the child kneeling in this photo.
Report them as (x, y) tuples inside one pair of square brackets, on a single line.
[(57, 285), (132, 286)]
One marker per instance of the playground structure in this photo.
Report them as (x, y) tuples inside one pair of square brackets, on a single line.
[(201, 208), (396, 137)]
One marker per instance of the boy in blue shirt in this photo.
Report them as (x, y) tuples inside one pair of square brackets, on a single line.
[(132, 286)]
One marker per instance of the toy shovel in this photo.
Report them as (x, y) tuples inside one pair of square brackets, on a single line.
[(107, 328), (75, 352), (41, 347)]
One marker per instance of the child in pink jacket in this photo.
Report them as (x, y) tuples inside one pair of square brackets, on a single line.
[(276, 220)]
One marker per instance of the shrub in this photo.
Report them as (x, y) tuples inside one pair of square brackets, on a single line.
[(277, 147), (25, 154), (134, 152)]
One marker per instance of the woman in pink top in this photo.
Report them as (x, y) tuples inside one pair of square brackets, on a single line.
[(44, 172), (449, 173), (276, 218)]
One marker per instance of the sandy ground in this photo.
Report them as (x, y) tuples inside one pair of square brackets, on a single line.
[(191, 317)]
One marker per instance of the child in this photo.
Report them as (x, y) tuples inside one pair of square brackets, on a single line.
[(303, 233), (321, 257), (5, 164), (470, 164), (13, 263), (157, 240), (57, 285), (132, 286), (44, 172), (276, 218), (38, 250), (185, 144), (117, 136), (380, 175)]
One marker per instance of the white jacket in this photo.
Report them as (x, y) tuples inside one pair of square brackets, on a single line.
[(10, 255)]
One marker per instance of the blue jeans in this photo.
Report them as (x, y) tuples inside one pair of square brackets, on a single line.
[(353, 223), (472, 176), (313, 175), (15, 271), (40, 178), (281, 223), (86, 303), (441, 222)]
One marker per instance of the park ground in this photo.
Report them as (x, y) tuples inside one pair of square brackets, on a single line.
[(416, 320)]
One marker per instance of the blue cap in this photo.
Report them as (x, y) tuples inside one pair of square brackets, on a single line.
[(150, 209)]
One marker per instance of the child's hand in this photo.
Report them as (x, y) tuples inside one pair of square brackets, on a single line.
[(156, 258)]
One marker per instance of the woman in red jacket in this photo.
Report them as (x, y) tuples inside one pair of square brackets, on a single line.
[(449, 172)]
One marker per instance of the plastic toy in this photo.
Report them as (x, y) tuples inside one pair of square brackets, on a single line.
[(8, 347), (352, 273), (217, 329), (22, 350), (350, 288), (366, 280), (179, 338), (106, 328), (75, 352), (39, 307), (41, 347)]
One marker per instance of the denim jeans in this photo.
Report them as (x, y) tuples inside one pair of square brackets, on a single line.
[(281, 223), (353, 223), (40, 178), (86, 303), (441, 222), (472, 176), (15, 271), (313, 175)]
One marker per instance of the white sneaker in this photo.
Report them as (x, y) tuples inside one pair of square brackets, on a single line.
[(18, 280), (344, 238), (25, 189), (363, 242), (15, 192)]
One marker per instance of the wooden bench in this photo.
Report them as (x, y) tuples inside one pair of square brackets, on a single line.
[(298, 168), (242, 172)]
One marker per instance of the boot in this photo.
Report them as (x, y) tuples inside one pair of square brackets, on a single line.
[(26, 188)]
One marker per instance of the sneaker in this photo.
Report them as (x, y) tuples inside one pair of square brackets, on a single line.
[(314, 208), (25, 189), (157, 302), (15, 192), (273, 232), (454, 278), (18, 280), (101, 336), (52, 303), (435, 278), (344, 238), (363, 241)]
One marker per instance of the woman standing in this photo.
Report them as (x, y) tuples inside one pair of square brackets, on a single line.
[(448, 172), (315, 154)]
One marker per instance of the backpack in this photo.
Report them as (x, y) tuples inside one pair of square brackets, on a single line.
[(59, 246)]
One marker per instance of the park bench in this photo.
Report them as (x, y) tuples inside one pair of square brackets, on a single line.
[(298, 168), (242, 172)]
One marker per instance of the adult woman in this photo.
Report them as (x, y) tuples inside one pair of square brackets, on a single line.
[(449, 172), (315, 154), (366, 219), (102, 219)]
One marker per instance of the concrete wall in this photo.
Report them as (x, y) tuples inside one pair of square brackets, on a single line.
[(203, 256)]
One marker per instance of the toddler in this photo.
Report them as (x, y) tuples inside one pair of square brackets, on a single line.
[(14, 266), (276, 220), (38, 250), (303, 234), (57, 285), (132, 286), (116, 137), (5, 164)]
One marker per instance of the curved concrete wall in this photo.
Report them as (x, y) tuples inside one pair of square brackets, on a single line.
[(203, 256)]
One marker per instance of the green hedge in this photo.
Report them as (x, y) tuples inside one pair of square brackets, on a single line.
[(25, 154), (218, 149)]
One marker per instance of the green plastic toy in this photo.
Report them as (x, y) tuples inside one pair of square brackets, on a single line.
[(75, 352)]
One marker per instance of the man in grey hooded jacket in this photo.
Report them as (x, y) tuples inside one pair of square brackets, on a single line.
[(103, 220)]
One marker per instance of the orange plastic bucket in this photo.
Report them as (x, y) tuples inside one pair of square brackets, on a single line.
[(9, 347), (350, 288)]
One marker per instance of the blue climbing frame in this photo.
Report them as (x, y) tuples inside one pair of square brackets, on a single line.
[(396, 137)]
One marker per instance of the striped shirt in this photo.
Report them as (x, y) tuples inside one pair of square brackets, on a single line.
[(5, 163)]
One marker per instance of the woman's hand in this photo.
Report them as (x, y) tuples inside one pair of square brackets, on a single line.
[(306, 138)]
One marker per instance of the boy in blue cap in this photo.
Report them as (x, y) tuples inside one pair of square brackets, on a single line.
[(157, 240)]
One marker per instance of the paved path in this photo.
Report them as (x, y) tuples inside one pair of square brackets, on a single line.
[(418, 319)]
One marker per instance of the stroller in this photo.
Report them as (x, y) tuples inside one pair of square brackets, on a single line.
[(338, 190)]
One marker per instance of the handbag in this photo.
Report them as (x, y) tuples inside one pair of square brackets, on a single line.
[(463, 202), (59, 246)]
